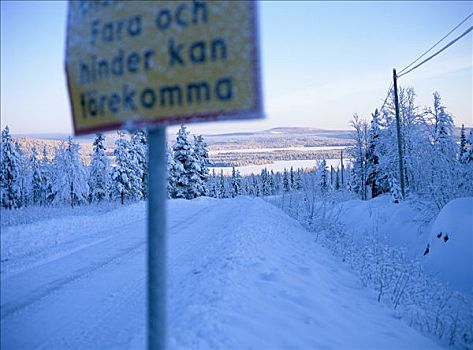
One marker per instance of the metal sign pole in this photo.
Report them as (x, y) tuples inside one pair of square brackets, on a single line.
[(157, 166)]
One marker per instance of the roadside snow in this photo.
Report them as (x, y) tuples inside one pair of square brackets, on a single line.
[(242, 274), (450, 255)]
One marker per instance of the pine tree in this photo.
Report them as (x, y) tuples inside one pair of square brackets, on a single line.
[(37, 194), (323, 176), (24, 176), (222, 191), (99, 175), (70, 177), (236, 183), (126, 179), (372, 157), (285, 181), (174, 171), (337, 179), (395, 190), (265, 182), (292, 180), (189, 183), (444, 139), (47, 179), (463, 145), (10, 172), (202, 155), (139, 149), (468, 156), (358, 152), (212, 185), (298, 179)]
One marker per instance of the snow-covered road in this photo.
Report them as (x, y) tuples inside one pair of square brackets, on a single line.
[(241, 274)]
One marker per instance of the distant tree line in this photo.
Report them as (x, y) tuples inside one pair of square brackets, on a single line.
[(436, 167)]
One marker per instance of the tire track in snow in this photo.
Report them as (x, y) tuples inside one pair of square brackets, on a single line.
[(11, 308)]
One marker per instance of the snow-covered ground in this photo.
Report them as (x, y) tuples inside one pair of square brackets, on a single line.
[(241, 274)]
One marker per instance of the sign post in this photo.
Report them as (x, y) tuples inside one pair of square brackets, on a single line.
[(149, 64), (157, 165)]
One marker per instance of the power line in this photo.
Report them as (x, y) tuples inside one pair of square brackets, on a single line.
[(387, 96), (438, 52), (438, 42)]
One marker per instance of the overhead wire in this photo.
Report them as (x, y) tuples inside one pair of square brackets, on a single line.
[(438, 52), (438, 42)]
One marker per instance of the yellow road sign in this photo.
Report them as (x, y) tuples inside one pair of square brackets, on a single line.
[(137, 63)]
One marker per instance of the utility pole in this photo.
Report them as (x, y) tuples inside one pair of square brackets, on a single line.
[(399, 142)]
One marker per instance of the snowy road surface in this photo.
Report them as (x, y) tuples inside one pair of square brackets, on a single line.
[(241, 274)]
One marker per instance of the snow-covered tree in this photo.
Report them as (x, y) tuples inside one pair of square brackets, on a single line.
[(322, 175), (444, 139), (265, 182), (286, 184), (99, 175), (10, 172), (222, 190), (463, 145), (189, 183), (202, 156), (126, 180), (37, 195), (236, 183), (47, 172), (24, 176), (468, 155), (212, 185), (372, 156), (358, 152), (174, 171), (395, 190), (70, 176), (139, 150)]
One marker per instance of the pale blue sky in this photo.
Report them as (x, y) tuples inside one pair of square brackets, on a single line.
[(322, 62)]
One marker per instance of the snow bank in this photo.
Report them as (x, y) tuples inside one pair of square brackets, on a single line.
[(399, 224), (450, 255)]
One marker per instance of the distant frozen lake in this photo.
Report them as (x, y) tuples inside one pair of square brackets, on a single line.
[(258, 150), (280, 166)]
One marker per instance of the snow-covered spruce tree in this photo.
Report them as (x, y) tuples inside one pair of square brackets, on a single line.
[(25, 176), (189, 184), (126, 178), (47, 180), (265, 182), (70, 176), (212, 185), (322, 175), (444, 139), (10, 172), (463, 145), (292, 182), (298, 179), (468, 156), (236, 183), (174, 171), (286, 184), (37, 194), (202, 155), (139, 149), (358, 152), (222, 190), (99, 174), (372, 157), (395, 190)]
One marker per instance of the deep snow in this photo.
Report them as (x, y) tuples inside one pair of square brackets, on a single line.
[(241, 274)]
